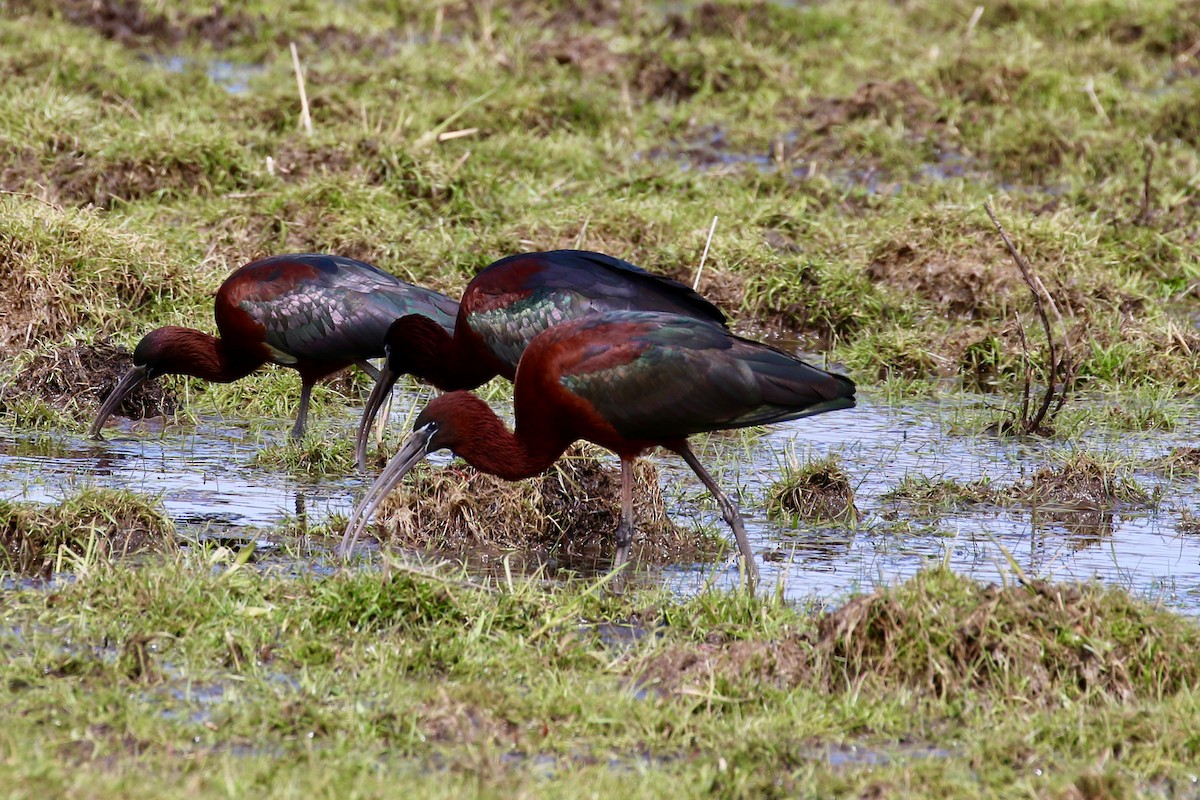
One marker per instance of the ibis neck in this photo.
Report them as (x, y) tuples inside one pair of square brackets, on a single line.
[(204, 356), (489, 446), (423, 348)]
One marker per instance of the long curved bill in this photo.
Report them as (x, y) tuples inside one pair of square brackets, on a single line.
[(379, 393), (129, 380), (415, 448)]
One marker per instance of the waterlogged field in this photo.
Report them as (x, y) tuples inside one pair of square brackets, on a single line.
[(956, 601)]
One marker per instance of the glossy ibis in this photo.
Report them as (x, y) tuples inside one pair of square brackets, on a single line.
[(315, 313), (628, 381), (505, 306)]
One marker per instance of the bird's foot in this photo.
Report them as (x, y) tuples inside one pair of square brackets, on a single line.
[(624, 537)]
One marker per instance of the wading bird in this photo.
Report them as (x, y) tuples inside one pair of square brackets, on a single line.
[(505, 306), (627, 381), (315, 313)]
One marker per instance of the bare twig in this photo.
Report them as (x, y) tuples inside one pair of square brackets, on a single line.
[(1027, 365), (29, 196), (582, 235), (305, 116), (1090, 88), (457, 165), (975, 17), (704, 257), (1064, 367), (1183, 345), (446, 136), (1147, 212), (432, 135)]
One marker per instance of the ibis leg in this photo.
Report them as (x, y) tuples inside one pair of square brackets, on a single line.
[(728, 510), (302, 415), (625, 527)]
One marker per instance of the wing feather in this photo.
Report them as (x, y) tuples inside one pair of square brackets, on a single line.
[(341, 310), (663, 376)]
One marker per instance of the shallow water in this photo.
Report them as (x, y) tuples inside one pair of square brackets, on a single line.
[(210, 486), (232, 76)]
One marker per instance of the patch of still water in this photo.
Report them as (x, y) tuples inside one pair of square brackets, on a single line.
[(209, 484)]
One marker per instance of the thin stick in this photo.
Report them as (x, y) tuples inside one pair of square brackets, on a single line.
[(446, 136), (975, 17), (704, 257), (1028, 370), (305, 117), (582, 235), (1042, 295), (439, 17), (1148, 158), (1090, 88), (432, 135)]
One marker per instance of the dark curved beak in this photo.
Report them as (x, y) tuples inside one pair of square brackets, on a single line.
[(415, 448), (383, 386), (131, 379)]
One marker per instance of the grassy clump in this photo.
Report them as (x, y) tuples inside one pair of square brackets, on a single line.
[(1081, 480), (312, 455), (922, 494), (1181, 462), (75, 379), (819, 491), (1078, 482), (68, 269), (944, 635), (92, 524), (571, 510)]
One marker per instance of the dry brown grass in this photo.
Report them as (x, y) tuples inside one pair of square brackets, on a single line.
[(943, 634), (571, 509), (819, 492), (78, 377), (66, 268)]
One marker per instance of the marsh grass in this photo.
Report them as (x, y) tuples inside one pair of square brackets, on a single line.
[(70, 268), (1078, 492), (944, 635), (847, 149), (924, 495), (570, 511), (197, 674), (87, 528), (856, 184), (315, 454), (818, 491), (1083, 479)]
